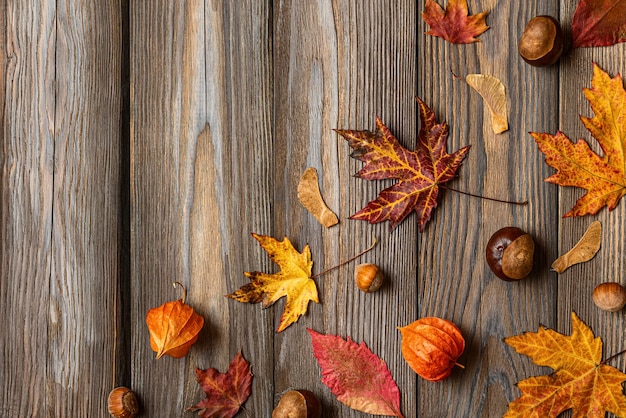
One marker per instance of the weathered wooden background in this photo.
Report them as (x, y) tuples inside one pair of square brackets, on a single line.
[(142, 142)]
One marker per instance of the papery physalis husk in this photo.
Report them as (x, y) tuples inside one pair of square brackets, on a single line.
[(584, 250), (492, 91), (432, 346), (174, 328), (311, 198)]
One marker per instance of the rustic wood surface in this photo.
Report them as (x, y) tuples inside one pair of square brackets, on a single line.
[(143, 141)]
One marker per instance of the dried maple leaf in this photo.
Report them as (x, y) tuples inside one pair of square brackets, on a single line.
[(577, 165), (293, 281), (454, 25), (419, 172), (225, 392), (355, 375), (174, 328), (599, 23), (581, 381)]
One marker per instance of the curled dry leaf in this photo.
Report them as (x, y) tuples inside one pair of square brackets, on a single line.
[(311, 198), (584, 250), (174, 328), (431, 346), (492, 91)]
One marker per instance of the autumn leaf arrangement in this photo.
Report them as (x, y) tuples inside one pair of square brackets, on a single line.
[(432, 346)]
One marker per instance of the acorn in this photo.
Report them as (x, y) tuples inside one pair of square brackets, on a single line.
[(123, 403), (368, 277), (510, 253), (610, 296), (542, 41)]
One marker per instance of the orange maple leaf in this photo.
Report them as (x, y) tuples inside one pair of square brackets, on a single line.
[(577, 165), (293, 281), (419, 172), (581, 381), (455, 25)]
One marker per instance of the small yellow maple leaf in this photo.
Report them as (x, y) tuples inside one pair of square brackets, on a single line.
[(581, 381), (293, 280)]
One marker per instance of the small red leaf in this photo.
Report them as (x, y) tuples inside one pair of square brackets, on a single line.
[(226, 392), (455, 25), (355, 375)]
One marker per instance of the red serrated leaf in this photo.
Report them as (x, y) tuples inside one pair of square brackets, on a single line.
[(455, 25), (419, 172), (599, 23), (355, 375), (226, 392)]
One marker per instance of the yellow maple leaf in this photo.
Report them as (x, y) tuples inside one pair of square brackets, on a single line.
[(604, 177), (581, 381), (293, 280)]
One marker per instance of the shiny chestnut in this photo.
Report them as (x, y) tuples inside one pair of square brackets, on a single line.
[(510, 253), (542, 41)]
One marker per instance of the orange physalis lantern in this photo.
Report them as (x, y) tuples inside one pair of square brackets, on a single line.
[(432, 346), (174, 327)]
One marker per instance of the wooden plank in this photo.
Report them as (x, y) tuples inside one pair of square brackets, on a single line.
[(338, 65), (27, 151), (86, 208), (201, 139), (575, 285), (455, 282)]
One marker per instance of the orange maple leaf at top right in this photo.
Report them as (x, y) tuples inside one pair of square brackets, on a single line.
[(577, 165)]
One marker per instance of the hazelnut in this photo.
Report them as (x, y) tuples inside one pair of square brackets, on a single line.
[(609, 296), (368, 277), (123, 403), (298, 404), (542, 41), (510, 253)]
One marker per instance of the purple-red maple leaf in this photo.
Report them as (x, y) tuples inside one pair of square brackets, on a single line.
[(599, 23), (419, 173), (455, 25), (355, 375), (225, 392)]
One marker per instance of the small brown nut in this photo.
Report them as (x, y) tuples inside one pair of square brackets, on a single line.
[(368, 277), (542, 41), (609, 296), (298, 404), (510, 253), (123, 403)]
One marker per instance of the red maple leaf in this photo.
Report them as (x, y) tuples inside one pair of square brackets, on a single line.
[(455, 25), (599, 23), (355, 375), (419, 172), (225, 392)]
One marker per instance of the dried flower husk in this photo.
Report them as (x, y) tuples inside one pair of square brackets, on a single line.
[(432, 346), (584, 250), (174, 328), (311, 198)]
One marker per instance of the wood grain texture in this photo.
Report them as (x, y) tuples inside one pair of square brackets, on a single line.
[(60, 207), (27, 180), (229, 102)]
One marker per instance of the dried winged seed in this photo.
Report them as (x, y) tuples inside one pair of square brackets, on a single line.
[(311, 198), (492, 91), (584, 250)]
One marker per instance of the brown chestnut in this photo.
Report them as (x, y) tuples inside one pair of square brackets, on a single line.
[(510, 253), (610, 296), (298, 404), (542, 41)]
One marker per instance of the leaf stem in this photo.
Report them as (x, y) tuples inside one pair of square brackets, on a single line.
[(184, 290), (343, 263), (606, 360), (525, 202)]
